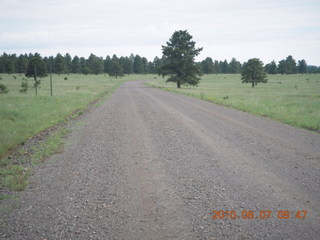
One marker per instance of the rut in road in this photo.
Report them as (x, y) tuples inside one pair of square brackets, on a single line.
[(149, 164)]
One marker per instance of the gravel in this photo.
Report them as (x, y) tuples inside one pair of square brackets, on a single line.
[(149, 164)]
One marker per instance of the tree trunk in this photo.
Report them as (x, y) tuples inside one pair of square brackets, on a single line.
[(252, 83), (178, 84)]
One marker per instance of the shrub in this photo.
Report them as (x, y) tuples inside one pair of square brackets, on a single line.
[(24, 87), (66, 78), (3, 89)]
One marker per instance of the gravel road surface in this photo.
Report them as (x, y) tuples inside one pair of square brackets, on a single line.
[(149, 164)]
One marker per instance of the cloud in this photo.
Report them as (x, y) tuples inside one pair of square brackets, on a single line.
[(224, 28)]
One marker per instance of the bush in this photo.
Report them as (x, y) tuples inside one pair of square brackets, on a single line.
[(3, 89), (66, 78), (24, 87)]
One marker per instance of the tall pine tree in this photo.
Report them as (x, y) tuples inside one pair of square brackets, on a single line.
[(180, 53)]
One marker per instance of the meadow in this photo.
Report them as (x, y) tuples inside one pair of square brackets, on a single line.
[(24, 115), (292, 99)]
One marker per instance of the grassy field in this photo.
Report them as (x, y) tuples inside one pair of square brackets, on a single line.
[(24, 115), (292, 99)]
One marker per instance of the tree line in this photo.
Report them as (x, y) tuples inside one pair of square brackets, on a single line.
[(114, 66), (286, 66), (134, 64)]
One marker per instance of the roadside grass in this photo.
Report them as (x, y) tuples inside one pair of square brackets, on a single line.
[(23, 116), (292, 99), (14, 173)]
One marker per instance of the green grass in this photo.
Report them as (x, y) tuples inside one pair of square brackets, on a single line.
[(24, 115), (292, 99)]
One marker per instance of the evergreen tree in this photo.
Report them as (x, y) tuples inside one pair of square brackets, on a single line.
[(302, 66), (36, 68), (207, 66), (126, 64), (216, 67), (144, 65), (1, 64), (253, 72), (282, 67), (291, 66), (84, 67), (8, 66), (22, 64), (234, 66), (137, 65), (95, 64), (157, 65), (287, 66), (224, 66), (107, 64), (180, 53), (75, 65), (67, 61), (151, 68), (59, 64), (116, 69), (271, 68)]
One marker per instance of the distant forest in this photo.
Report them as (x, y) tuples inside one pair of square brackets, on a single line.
[(135, 64)]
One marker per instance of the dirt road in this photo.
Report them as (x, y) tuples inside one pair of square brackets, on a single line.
[(149, 164)]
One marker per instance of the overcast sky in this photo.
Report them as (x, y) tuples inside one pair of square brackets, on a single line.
[(243, 29)]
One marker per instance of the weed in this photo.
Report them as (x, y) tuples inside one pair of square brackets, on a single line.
[(53, 144), (15, 177), (3, 197)]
